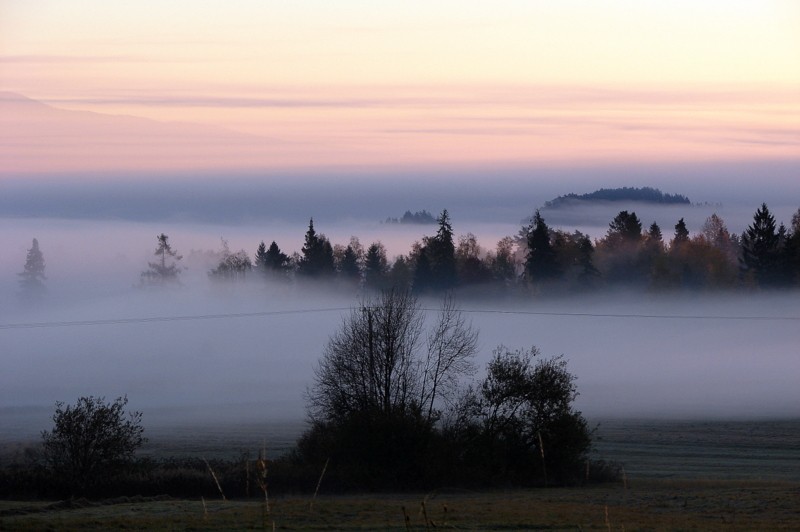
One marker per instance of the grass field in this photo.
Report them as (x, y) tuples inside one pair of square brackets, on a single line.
[(650, 504)]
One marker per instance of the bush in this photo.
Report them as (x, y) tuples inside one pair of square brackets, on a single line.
[(91, 443)]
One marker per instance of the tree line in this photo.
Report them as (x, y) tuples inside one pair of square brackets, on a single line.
[(538, 259)]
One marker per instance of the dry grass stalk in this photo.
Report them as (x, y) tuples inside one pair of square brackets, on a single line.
[(406, 518), (608, 523), (216, 481), (541, 451), (425, 515), (205, 508), (261, 466), (319, 483)]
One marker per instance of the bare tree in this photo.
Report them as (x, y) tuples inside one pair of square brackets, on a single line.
[(377, 363), (452, 344)]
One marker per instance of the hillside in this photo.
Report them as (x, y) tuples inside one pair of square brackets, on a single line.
[(643, 195)]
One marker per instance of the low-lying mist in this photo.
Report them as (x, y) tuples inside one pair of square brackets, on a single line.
[(635, 354), (703, 355)]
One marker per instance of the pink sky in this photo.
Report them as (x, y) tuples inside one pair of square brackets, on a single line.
[(254, 85)]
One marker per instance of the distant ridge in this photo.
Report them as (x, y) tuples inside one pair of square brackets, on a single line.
[(643, 194)]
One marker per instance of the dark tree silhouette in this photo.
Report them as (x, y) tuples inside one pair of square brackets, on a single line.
[(541, 264), (624, 229), (317, 254), (376, 266), (681, 235), (91, 442), (760, 248), (441, 253)]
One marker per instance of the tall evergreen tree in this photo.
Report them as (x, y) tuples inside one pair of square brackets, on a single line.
[(276, 260), (375, 266), (441, 253), (260, 263), (760, 248), (588, 274), (681, 235), (348, 265), (317, 257), (166, 269), (540, 264), (32, 275), (624, 229)]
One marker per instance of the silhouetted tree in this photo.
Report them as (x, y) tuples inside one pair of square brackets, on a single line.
[(521, 423), (470, 267), (423, 280), (792, 250), (624, 230), (503, 264), (91, 442), (400, 275), (317, 254), (540, 263), (32, 275), (619, 252), (760, 248), (271, 261), (441, 250), (348, 264), (681, 235), (588, 274), (378, 387), (376, 266), (166, 270)]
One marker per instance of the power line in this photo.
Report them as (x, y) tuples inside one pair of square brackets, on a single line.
[(264, 314)]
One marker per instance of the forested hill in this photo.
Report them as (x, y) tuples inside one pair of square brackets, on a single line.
[(644, 194)]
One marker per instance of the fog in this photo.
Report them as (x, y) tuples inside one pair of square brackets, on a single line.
[(635, 354)]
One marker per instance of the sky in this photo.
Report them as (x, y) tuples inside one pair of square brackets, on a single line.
[(263, 85)]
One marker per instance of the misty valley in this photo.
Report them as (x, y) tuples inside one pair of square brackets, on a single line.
[(665, 332)]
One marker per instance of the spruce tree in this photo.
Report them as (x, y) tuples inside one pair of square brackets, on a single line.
[(540, 263), (681, 235), (32, 275), (441, 251), (760, 248), (166, 269)]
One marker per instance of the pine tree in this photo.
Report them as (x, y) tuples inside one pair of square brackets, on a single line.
[(32, 275), (348, 265), (441, 251), (376, 266), (540, 263), (317, 254), (760, 248), (681, 235), (165, 270), (624, 229)]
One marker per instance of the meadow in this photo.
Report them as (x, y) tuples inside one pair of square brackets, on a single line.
[(686, 475)]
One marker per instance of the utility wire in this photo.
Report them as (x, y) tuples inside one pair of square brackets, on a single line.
[(237, 315)]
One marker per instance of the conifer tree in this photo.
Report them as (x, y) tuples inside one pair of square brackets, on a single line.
[(376, 266), (540, 263), (441, 251), (317, 254), (760, 248), (32, 275), (681, 235), (166, 269)]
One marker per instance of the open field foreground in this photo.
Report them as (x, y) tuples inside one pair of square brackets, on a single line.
[(650, 505)]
